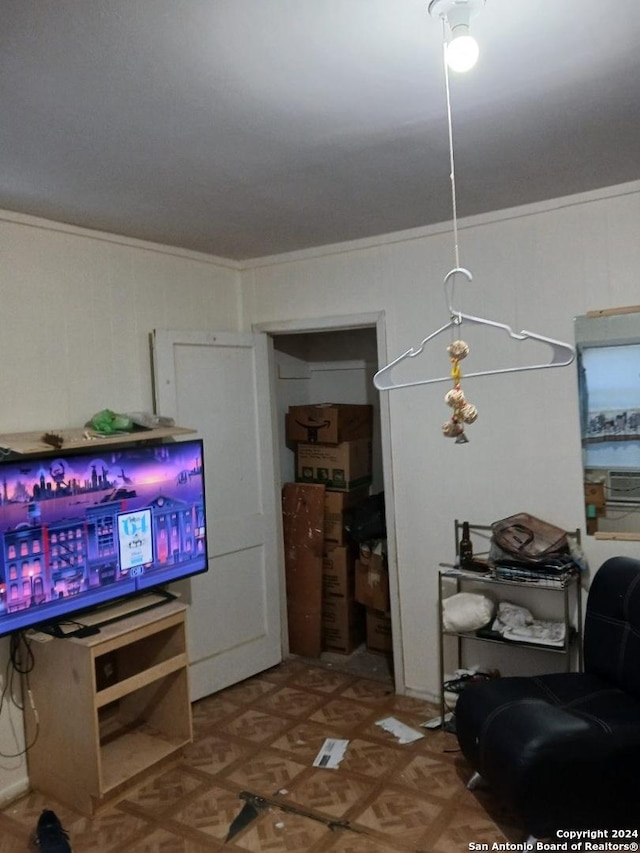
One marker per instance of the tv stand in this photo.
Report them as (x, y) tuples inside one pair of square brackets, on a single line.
[(91, 621), (112, 707)]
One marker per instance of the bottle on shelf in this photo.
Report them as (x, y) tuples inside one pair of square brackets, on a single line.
[(465, 547)]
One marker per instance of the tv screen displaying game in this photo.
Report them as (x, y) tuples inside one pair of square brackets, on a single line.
[(79, 529)]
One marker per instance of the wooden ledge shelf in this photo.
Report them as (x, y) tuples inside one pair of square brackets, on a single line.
[(82, 438), (617, 537)]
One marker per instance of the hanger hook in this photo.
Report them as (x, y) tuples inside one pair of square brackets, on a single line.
[(449, 299)]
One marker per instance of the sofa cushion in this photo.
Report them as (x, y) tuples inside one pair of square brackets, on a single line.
[(612, 624), (552, 743)]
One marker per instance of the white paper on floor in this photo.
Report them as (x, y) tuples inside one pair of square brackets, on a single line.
[(404, 733), (331, 753)]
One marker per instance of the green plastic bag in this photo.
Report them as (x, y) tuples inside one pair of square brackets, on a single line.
[(107, 422)]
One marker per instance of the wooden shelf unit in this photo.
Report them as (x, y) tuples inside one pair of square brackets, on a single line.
[(81, 438), (111, 707)]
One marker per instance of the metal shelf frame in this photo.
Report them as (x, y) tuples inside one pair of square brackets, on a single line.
[(570, 589)]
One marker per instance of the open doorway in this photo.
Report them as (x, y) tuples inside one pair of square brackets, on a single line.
[(335, 363)]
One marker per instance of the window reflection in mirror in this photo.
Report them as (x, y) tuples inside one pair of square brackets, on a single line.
[(608, 359)]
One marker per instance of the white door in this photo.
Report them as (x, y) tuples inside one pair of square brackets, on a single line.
[(219, 384)]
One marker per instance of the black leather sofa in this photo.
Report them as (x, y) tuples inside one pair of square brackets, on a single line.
[(563, 750)]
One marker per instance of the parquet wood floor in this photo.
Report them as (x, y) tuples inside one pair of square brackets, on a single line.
[(256, 742)]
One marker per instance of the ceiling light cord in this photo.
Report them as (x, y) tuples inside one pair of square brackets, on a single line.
[(452, 167)]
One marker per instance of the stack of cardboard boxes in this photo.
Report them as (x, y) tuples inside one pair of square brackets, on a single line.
[(332, 443)]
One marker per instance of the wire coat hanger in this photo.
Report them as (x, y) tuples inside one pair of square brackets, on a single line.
[(562, 353)]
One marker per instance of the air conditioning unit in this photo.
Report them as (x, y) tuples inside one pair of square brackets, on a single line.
[(623, 486)]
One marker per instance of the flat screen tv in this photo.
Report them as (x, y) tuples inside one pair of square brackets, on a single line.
[(80, 529)]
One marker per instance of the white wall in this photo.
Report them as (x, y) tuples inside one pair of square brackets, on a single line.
[(536, 268), (76, 311)]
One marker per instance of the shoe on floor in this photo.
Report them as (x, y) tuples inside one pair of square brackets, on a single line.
[(49, 836)]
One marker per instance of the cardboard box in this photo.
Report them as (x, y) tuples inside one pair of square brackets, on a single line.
[(343, 624), (379, 635), (372, 583), (594, 496), (338, 572), (342, 467), (329, 423), (335, 504), (303, 529)]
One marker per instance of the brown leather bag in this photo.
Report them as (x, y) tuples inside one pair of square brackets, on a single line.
[(529, 538)]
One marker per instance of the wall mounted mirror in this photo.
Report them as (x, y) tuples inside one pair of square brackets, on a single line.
[(608, 360)]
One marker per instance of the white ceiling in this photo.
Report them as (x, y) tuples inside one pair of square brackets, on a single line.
[(245, 128)]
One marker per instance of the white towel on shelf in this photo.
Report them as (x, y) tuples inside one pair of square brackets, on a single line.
[(519, 625)]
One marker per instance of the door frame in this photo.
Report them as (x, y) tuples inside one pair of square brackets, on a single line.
[(338, 323)]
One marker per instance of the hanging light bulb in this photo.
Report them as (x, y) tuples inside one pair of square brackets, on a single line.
[(462, 53), (462, 49)]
